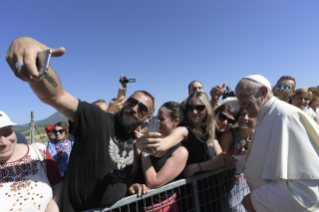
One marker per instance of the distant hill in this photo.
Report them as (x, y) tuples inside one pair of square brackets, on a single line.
[(56, 117)]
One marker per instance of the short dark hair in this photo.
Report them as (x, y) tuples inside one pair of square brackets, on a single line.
[(99, 100), (288, 78), (189, 85), (176, 111), (147, 94)]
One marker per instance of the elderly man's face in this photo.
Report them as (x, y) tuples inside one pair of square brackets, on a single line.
[(249, 98)]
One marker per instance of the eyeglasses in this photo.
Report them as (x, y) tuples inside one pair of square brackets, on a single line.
[(222, 117), (57, 131), (7, 132), (198, 108), (131, 102), (279, 86)]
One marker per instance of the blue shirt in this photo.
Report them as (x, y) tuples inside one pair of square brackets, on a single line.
[(64, 159)]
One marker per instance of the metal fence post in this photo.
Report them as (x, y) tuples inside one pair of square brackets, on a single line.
[(32, 134), (196, 199)]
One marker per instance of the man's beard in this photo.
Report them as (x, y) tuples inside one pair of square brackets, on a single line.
[(129, 122)]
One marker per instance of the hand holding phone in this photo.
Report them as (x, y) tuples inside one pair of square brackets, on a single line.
[(153, 126), (43, 61), (122, 92)]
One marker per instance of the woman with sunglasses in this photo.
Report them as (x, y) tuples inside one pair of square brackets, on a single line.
[(235, 142), (204, 152), (162, 168), (25, 185), (225, 116), (301, 99), (60, 148), (198, 137)]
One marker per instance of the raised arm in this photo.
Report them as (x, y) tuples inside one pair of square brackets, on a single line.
[(151, 141), (48, 88)]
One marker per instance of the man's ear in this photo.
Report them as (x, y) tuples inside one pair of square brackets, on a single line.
[(293, 92), (264, 91)]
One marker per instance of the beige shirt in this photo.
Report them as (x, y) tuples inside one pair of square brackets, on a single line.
[(282, 164)]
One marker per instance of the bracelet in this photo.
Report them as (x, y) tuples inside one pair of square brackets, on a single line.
[(200, 168)]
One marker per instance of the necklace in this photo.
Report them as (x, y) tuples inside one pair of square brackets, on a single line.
[(253, 137), (57, 148)]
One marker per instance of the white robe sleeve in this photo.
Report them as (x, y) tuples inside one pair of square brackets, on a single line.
[(286, 196)]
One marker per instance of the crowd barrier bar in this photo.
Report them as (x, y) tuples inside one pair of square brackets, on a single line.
[(202, 192)]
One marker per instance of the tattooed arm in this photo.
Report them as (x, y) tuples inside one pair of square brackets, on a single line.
[(50, 91), (48, 88)]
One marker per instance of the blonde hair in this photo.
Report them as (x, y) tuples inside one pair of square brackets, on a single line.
[(208, 123), (302, 91), (315, 93)]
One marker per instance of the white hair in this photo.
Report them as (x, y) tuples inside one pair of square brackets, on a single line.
[(255, 85)]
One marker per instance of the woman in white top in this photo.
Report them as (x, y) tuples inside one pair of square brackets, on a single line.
[(24, 183)]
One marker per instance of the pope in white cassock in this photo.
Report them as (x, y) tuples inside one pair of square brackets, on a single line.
[(282, 164)]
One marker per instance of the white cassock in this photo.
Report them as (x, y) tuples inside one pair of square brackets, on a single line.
[(282, 163)]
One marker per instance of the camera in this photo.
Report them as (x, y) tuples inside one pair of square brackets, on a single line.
[(125, 80)]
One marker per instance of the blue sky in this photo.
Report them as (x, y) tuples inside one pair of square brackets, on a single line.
[(163, 44)]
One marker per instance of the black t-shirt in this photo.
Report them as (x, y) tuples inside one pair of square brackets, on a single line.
[(198, 150), (100, 163)]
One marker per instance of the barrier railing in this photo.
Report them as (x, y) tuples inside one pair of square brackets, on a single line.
[(218, 190)]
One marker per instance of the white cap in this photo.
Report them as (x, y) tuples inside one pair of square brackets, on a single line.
[(260, 79), (5, 120)]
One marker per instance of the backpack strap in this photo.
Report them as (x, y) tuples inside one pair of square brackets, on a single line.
[(42, 160)]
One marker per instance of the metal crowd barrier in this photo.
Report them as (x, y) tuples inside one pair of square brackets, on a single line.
[(214, 191)]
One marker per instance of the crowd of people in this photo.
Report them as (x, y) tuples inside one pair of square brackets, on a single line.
[(272, 130)]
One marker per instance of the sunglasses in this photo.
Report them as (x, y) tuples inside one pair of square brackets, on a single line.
[(57, 131), (131, 102), (222, 117), (279, 86), (198, 108), (7, 132)]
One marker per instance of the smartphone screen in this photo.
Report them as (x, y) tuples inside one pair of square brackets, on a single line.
[(43, 61)]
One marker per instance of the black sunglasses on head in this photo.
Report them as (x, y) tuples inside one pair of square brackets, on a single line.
[(222, 117), (131, 102), (56, 131), (198, 108)]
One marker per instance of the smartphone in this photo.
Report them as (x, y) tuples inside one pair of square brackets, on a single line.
[(153, 126), (122, 92), (43, 61)]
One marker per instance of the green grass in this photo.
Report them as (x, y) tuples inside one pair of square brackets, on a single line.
[(40, 134)]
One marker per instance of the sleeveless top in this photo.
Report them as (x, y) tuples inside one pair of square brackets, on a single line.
[(237, 142), (198, 150), (158, 163)]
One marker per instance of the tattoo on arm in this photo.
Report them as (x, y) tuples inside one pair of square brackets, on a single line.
[(50, 80), (69, 113)]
